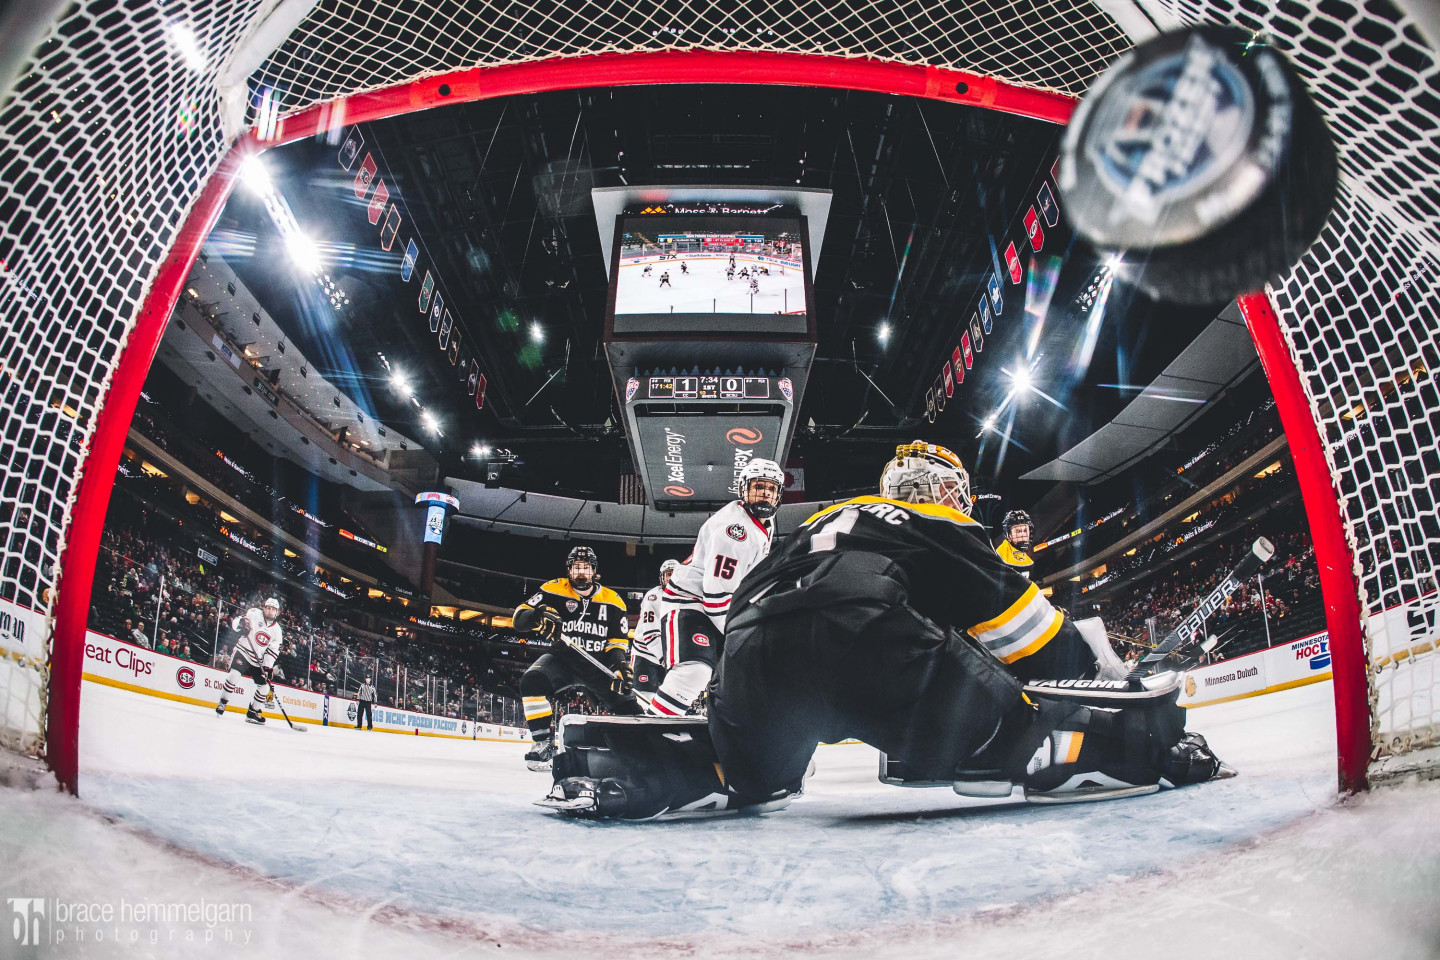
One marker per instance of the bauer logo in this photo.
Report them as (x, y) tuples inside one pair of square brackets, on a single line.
[(1316, 650), (185, 677)]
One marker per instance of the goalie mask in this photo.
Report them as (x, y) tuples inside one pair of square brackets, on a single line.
[(925, 473), (760, 484), (1018, 528), (586, 558)]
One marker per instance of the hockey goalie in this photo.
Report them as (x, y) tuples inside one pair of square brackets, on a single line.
[(890, 619)]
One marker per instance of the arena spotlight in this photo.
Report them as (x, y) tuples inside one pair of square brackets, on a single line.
[(255, 176), (1021, 379), (304, 252), (883, 333), (401, 383), (431, 424), (480, 450), (537, 333), (182, 38)]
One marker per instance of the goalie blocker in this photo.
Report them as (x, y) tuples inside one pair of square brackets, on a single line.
[(837, 652)]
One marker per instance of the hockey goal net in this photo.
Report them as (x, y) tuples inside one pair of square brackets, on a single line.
[(125, 123)]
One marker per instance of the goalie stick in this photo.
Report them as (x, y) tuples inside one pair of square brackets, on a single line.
[(1260, 551)]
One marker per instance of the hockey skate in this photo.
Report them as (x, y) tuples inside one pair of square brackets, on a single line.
[(538, 757), (220, 709), (253, 715)]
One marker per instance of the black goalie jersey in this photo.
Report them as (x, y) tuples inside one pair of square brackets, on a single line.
[(596, 623), (955, 577)]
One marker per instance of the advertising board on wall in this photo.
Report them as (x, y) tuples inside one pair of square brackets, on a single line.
[(1293, 664), (118, 664)]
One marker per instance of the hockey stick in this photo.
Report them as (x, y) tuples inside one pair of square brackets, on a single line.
[(587, 655), (276, 698), (1260, 551)]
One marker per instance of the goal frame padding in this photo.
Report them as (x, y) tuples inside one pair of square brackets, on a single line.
[(97, 477)]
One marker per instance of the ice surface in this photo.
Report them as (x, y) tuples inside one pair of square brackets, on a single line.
[(347, 842)]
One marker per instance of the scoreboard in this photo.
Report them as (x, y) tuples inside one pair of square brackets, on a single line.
[(694, 434), (709, 388), (709, 373)]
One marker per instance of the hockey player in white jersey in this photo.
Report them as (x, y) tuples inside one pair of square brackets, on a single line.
[(645, 650), (697, 598), (254, 656)]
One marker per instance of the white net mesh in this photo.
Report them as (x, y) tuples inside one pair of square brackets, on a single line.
[(345, 46), (109, 137), (1362, 314)]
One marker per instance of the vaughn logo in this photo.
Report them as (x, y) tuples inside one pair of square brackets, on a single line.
[(185, 677)]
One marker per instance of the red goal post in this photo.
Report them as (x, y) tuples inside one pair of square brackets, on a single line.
[(99, 332)]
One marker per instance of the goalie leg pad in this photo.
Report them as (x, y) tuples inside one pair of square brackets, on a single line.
[(1098, 739), (637, 768)]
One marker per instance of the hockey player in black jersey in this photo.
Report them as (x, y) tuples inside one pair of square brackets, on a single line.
[(1015, 548), (892, 620), (574, 613)]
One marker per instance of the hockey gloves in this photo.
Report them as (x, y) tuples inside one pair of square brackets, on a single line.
[(624, 682), (548, 626)]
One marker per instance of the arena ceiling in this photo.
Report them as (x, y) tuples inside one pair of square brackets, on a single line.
[(499, 193)]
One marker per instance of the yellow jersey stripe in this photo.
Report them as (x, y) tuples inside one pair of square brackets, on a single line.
[(935, 510), (1039, 643), (1010, 613)]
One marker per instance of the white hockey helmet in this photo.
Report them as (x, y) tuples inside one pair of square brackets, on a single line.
[(271, 602), (669, 566), (926, 473), (759, 468)]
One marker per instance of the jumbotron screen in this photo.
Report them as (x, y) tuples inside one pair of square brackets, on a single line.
[(710, 273)]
